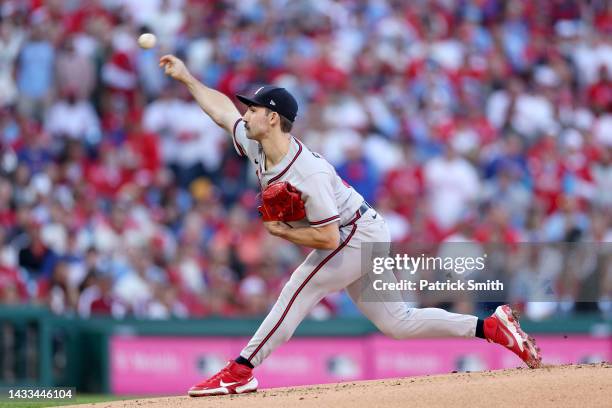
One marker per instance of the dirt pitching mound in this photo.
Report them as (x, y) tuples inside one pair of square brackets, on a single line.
[(588, 385)]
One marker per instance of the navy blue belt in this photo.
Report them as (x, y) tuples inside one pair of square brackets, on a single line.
[(363, 208)]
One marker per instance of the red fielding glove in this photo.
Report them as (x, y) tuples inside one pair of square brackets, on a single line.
[(282, 202)]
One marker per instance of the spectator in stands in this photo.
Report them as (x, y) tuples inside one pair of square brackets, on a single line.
[(73, 118), (36, 70), (600, 93), (35, 256), (11, 38), (75, 72), (60, 294), (97, 299), (452, 185)]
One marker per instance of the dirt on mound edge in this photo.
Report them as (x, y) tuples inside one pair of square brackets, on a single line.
[(584, 386)]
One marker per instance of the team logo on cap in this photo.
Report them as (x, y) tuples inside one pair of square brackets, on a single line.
[(260, 88), (272, 103)]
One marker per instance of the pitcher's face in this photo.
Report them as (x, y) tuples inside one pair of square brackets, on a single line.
[(257, 122)]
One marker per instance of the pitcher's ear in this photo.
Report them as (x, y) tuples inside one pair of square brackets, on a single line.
[(274, 116)]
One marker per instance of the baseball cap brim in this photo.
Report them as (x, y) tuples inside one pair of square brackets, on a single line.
[(247, 101)]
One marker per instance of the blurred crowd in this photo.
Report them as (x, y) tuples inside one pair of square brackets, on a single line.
[(485, 119)]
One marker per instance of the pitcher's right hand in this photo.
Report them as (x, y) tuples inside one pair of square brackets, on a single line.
[(174, 67)]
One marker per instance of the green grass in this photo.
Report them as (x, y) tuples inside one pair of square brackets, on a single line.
[(80, 399)]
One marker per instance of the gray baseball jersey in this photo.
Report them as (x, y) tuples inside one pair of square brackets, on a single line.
[(328, 199)]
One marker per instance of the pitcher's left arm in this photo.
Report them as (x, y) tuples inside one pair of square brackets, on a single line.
[(325, 237)]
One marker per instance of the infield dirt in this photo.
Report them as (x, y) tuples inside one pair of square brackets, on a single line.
[(584, 386)]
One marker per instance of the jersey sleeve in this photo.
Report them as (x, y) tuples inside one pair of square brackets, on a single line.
[(243, 145), (319, 200)]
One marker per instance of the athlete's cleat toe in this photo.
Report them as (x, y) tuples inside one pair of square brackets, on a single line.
[(503, 327)]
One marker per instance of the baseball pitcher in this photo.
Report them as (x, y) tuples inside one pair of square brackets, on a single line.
[(306, 202)]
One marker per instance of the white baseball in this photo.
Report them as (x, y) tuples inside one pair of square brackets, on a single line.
[(147, 40)]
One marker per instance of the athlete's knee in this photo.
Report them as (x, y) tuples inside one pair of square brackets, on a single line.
[(389, 327), (393, 322)]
